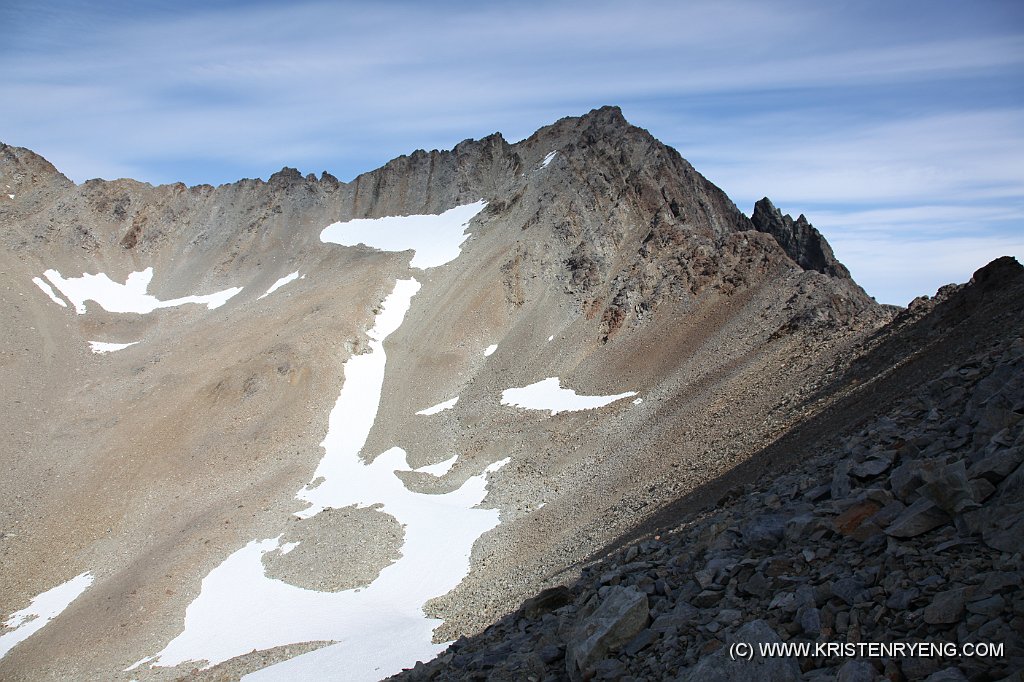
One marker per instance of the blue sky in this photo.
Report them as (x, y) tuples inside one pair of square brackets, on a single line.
[(897, 128)]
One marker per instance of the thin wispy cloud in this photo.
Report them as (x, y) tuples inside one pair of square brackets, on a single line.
[(963, 155), (853, 114), (951, 219)]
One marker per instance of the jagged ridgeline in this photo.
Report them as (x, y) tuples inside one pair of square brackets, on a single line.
[(306, 427)]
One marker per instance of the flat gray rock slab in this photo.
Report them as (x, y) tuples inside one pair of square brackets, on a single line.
[(620, 617)]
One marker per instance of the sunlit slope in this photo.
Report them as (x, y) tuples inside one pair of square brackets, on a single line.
[(594, 330)]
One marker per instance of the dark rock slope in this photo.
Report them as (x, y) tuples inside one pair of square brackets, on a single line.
[(906, 527)]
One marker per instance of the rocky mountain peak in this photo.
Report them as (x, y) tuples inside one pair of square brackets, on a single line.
[(800, 240), (605, 124), (607, 115), (998, 274), (24, 165), (286, 176)]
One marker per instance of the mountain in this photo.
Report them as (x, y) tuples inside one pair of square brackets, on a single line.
[(440, 387)]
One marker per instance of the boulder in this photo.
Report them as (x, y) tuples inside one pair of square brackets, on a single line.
[(850, 590), (548, 600), (809, 619), (900, 598), (874, 466), (621, 615), (949, 488), (679, 617), (857, 671), (989, 607), (851, 521), (888, 513), (765, 531), (707, 599), (920, 517), (997, 466), (1005, 530), (946, 607), (908, 477)]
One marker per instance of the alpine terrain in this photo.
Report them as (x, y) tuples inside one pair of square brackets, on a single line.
[(559, 402)]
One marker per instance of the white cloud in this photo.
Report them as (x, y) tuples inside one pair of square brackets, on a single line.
[(279, 81)]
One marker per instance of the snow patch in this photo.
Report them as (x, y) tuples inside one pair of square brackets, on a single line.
[(104, 347), (287, 547), (130, 297), (48, 290), (280, 283), (547, 159), (638, 401), (11, 196), (440, 407), (551, 338), (439, 469), (549, 395), (41, 611), (490, 349), (498, 466), (436, 239)]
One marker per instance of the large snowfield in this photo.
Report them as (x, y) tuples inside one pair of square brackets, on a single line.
[(436, 239), (380, 628), (130, 297)]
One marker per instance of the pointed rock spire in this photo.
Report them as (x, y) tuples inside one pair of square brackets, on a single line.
[(798, 238)]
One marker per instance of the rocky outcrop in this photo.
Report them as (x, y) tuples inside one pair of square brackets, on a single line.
[(28, 170), (801, 242)]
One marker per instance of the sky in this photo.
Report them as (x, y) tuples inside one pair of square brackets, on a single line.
[(896, 128)]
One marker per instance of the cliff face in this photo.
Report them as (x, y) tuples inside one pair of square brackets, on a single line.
[(602, 259)]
